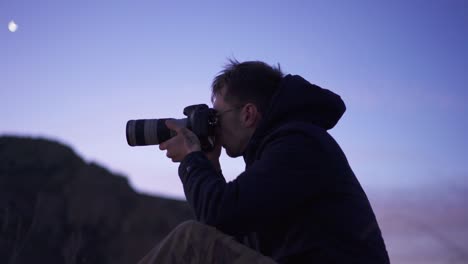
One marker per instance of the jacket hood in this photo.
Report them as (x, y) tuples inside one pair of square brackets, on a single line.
[(299, 100)]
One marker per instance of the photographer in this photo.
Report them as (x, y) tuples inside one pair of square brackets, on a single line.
[(298, 201)]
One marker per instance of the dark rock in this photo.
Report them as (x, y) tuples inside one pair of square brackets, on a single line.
[(56, 208)]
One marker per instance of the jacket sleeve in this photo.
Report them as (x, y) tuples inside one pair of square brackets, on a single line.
[(290, 170)]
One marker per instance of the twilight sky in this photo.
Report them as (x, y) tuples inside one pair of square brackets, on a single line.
[(76, 71)]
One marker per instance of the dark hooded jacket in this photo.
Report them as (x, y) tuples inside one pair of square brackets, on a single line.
[(298, 201)]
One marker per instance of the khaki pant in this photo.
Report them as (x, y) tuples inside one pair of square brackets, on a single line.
[(193, 242)]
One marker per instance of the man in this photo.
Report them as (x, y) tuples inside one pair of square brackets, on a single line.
[(297, 201)]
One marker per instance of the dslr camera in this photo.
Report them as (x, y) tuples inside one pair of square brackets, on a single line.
[(200, 119)]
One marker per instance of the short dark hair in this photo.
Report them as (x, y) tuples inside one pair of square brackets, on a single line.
[(248, 82)]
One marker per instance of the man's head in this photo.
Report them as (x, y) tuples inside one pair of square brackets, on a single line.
[(241, 93)]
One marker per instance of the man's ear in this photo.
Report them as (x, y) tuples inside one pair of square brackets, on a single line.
[(250, 115)]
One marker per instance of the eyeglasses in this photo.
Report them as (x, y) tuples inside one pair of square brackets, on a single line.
[(219, 114)]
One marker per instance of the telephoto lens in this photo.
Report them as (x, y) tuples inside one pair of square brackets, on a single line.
[(144, 132), (201, 120)]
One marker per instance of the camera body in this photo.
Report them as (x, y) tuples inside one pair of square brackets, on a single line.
[(201, 120)]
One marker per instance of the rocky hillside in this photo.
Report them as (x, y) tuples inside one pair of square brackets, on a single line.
[(56, 208)]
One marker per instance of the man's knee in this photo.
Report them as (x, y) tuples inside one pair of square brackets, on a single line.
[(189, 224), (181, 243), (192, 227)]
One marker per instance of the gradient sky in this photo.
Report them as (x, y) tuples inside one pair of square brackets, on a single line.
[(76, 71)]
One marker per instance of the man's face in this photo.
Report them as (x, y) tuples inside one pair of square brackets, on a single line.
[(231, 132)]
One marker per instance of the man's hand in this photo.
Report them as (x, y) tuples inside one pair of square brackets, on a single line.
[(182, 144), (213, 156)]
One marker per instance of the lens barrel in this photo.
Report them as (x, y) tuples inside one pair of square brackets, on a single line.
[(143, 132)]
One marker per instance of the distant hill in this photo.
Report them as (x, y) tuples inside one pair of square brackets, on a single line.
[(57, 208)]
